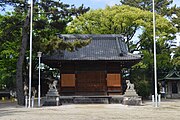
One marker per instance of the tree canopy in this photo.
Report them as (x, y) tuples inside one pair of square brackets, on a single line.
[(162, 7), (9, 42), (176, 58)]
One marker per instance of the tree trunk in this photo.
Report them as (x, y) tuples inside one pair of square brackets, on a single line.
[(20, 61)]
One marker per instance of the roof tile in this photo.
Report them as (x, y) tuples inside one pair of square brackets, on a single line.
[(102, 47)]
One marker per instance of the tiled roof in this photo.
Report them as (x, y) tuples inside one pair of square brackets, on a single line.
[(173, 75), (102, 47)]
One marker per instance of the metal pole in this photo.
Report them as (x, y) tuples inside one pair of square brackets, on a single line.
[(155, 69), (153, 100), (32, 101), (39, 86), (30, 52), (159, 99), (26, 101)]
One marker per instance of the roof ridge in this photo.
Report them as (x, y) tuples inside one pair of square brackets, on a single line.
[(118, 47), (85, 36)]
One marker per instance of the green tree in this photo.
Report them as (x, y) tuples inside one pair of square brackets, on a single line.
[(54, 17), (8, 58), (176, 58), (176, 18), (162, 7), (9, 46)]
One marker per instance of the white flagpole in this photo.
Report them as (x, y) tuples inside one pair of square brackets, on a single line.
[(39, 56), (155, 69), (30, 53)]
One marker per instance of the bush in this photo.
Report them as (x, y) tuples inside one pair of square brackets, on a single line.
[(143, 88)]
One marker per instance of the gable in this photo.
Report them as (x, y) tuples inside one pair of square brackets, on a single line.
[(172, 75)]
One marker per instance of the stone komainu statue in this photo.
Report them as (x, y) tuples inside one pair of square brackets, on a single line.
[(25, 89), (53, 85), (130, 86)]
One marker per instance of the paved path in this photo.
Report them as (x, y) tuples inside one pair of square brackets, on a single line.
[(169, 110)]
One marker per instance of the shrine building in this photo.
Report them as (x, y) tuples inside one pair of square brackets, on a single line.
[(95, 69)]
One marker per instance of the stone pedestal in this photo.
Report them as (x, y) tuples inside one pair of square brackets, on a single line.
[(130, 93), (131, 98), (52, 98)]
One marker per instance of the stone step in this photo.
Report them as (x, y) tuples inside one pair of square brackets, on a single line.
[(51, 103), (91, 100)]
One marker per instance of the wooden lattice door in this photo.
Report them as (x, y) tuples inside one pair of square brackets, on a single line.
[(114, 84), (91, 83)]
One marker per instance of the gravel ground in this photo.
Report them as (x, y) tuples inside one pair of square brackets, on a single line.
[(168, 110)]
